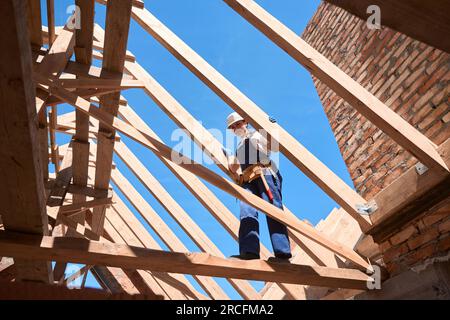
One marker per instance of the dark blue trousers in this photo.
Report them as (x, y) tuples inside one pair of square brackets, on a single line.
[(249, 228)]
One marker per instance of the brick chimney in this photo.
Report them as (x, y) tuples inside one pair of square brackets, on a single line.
[(412, 78)]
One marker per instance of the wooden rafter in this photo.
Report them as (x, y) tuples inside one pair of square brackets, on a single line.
[(50, 21), (351, 91), (177, 212), (22, 190), (35, 23), (162, 229), (174, 286), (118, 15), (207, 198), (222, 183), (294, 151)]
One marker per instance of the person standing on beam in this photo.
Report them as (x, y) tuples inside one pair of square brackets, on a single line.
[(253, 170)]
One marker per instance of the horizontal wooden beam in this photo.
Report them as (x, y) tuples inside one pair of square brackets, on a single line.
[(101, 253), (69, 209), (85, 71), (351, 91), (22, 192), (100, 84), (37, 291)]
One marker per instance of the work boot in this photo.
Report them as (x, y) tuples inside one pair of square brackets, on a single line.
[(246, 256), (280, 258)]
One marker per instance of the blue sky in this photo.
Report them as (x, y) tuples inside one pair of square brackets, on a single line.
[(261, 70)]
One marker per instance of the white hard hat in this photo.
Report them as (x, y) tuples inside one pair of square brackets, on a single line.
[(233, 118)]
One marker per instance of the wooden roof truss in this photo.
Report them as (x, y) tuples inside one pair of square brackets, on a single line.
[(75, 217)]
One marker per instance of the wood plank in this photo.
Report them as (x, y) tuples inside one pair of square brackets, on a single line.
[(50, 22), (57, 197), (84, 93), (207, 198), (83, 55), (70, 209), (175, 111), (141, 279), (183, 219), (85, 71), (426, 21), (351, 91), (136, 227), (100, 253), (35, 23), (118, 15), (121, 234), (320, 174), (408, 196), (38, 291), (100, 84), (162, 229), (22, 191), (222, 183)]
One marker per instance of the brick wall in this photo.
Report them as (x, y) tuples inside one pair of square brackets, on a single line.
[(407, 75), (412, 79), (425, 238)]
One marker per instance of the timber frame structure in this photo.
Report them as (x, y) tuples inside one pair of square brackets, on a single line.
[(75, 217)]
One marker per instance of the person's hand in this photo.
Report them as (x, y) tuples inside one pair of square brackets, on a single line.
[(235, 176)]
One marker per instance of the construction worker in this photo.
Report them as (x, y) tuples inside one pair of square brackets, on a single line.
[(254, 171)]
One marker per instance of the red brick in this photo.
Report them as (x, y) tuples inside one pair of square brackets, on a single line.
[(421, 254), (444, 226), (422, 239), (444, 243), (395, 252), (432, 218), (403, 235)]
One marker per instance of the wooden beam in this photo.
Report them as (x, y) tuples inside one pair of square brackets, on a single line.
[(207, 198), (351, 91), (165, 280), (100, 84), (100, 253), (143, 280), (175, 111), (85, 71), (37, 291), (99, 55), (426, 21), (120, 233), (342, 294), (222, 183), (337, 189), (118, 15), (142, 234), (70, 209), (22, 191), (181, 217), (83, 55), (84, 93), (162, 229)]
